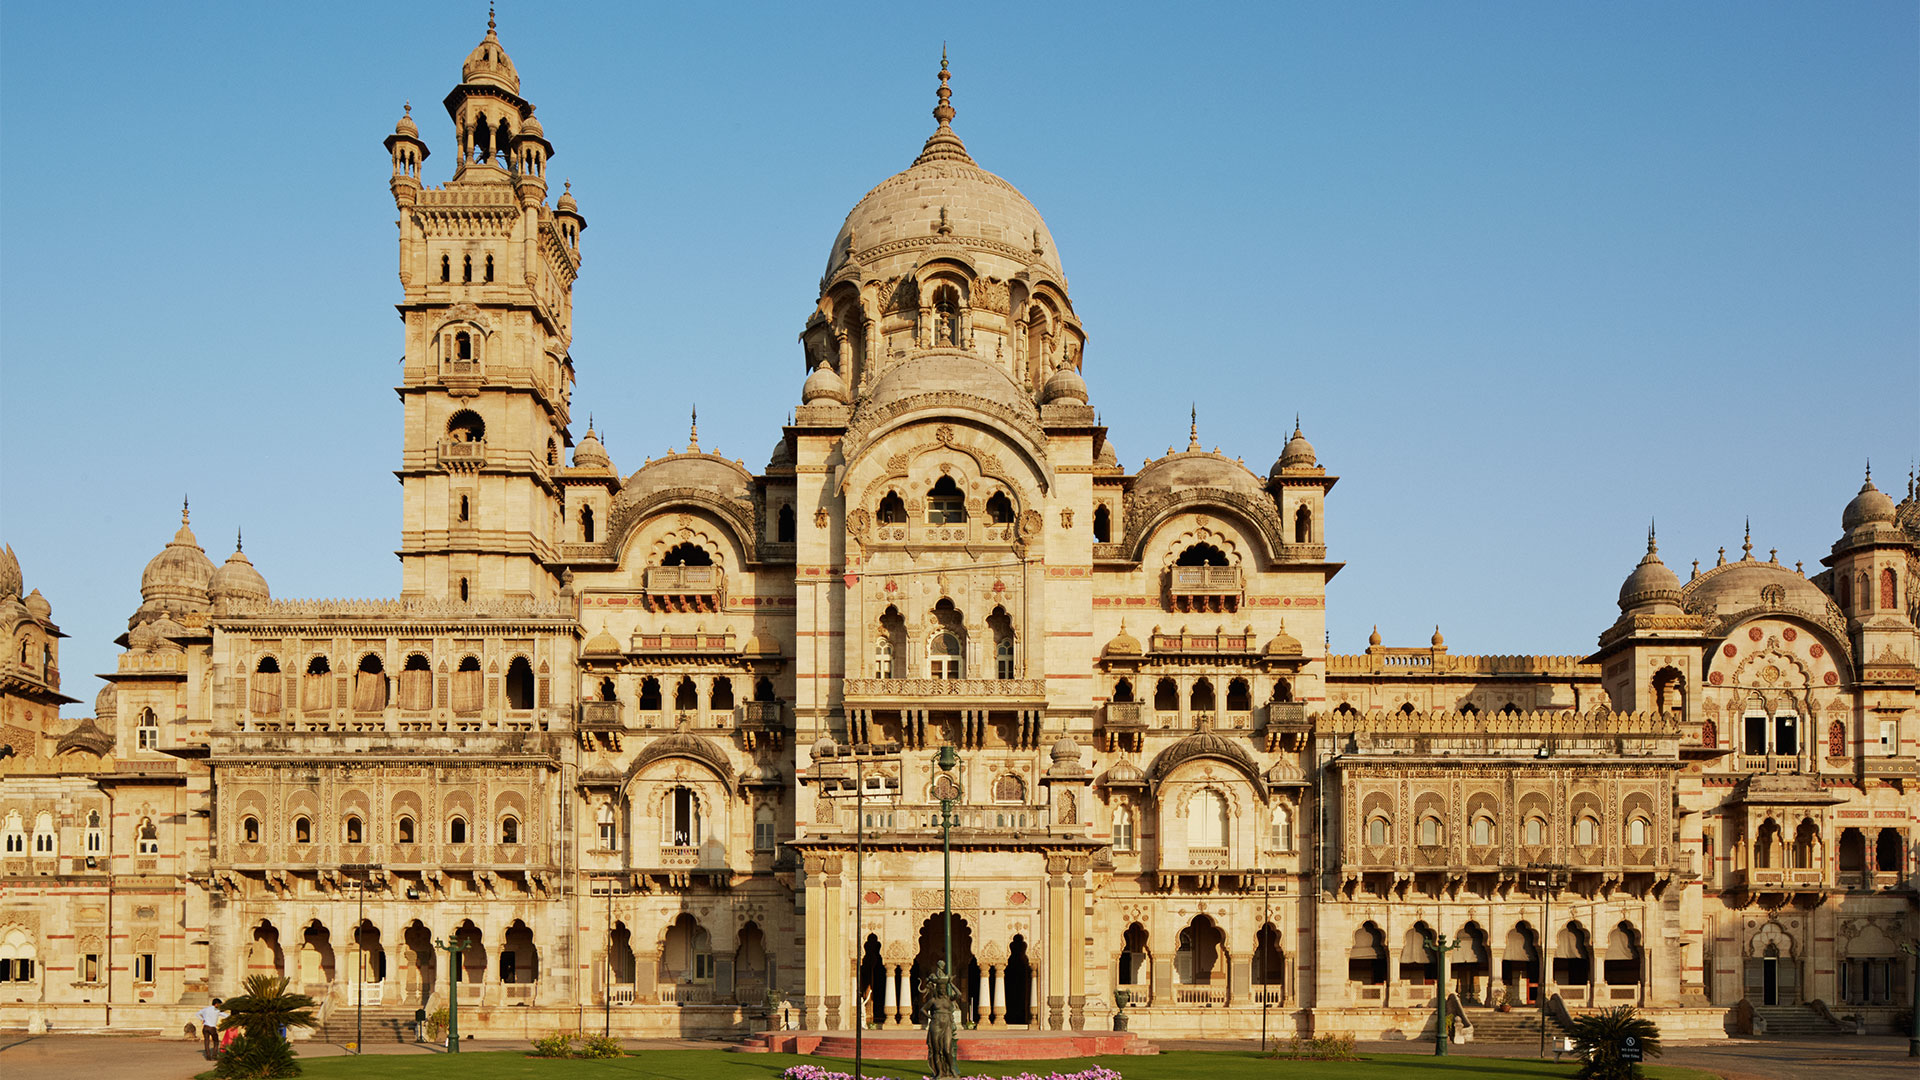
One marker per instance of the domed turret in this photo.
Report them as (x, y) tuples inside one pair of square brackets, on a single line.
[(1123, 644), (589, 452), (106, 702), (1297, 454), (177, 579), (37, 605), (824, 385), (1871, 507), (237, 579), (488, 65), (1066, 385), (1283, 644), (1651, 585), (406, 127), (602, 643)]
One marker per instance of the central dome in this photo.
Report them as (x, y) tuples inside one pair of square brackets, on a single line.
[(944, 199)]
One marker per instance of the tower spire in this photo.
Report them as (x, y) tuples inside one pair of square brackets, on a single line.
[(1746, 544), (1193, 428), (183, 510), (1653, 547), (693, 432), (943, 144)]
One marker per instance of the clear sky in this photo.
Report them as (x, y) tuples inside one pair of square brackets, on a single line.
[(1532, 274)]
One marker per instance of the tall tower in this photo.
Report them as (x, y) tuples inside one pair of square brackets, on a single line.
[(487, 270)]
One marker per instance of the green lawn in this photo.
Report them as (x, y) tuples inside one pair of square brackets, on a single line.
[(721, 1065)]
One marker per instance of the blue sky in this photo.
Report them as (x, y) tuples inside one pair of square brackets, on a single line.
[(1531, 273)]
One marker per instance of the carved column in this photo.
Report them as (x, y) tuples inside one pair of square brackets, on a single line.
[(1073, 944), (1059, 953), (814, 1003), (832, 947)]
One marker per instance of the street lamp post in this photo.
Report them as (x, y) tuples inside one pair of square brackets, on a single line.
[(947, 790), (1912, 949), (1439, 946), (360, 953), (453, 948), (1545, 877)]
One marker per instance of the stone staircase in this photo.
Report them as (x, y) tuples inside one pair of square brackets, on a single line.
[(1795, 1022), (1519, 1026), (384, 1024)]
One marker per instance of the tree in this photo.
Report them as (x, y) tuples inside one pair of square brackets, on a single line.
[(1598, 1037), (263, 1011)]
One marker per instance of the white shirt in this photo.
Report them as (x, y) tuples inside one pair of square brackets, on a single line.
[(209, 1016)]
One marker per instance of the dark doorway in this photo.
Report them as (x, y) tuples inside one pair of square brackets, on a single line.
[(873, 982), (1017, 983)]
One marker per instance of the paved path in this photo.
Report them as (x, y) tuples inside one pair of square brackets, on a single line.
[(1871, 1057)]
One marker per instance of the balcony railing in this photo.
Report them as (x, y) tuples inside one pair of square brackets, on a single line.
[(1288, 716), (1125, 716), (1205, 587), (1200, 995), (946, 688), (1770, 763), (461, 455), (685, 994), (684, 588), (599, 715), (620, 994)]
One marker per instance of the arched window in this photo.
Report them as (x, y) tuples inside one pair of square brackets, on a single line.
[(720, 697), (946, 505), (457, 830), (883, 657), (1000, 509), (316, 687), (893, 511), (1200, 698), (1432, 833), (1837, 739), (1201, 555), (1535, 832), (520, 684), (1889, 590), (1239, 697), (45, 841), (1102, 524), (1303, 526), (763, 825), (1123, 828), (469, 688), (1377, 830), (1123, 691), (586, 524), (16, 835), (370, 685), (416, 684), (250, 829), (686, 696), (608, 828), (489, 269), (1003, 658), (403, 830), (463, 346), (147, 735), (466, 509), (265, 690), (1166, 697), (1007, 788), (1483, 832), (302, 830), (1586, 831), (146, 838), (687, 554), (683, 818), (1281, 828), (784, 530), (466, 269), (96, 838), (352, 832), (1638, 835), (650, 697), (509, 830), (1207, 824), (466, 426), (943, 657), (446, 268)]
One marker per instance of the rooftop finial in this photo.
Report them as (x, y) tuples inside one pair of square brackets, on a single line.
[(943, 144), (183, 509), (1296, 425), (1653, 548), (1869, 470), (693, 432), (238, 537), (1193, 428), (943, 112), (1746, 544), (490, 26), (408, 107)]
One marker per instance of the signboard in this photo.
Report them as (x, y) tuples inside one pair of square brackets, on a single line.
[(1628, 1050)]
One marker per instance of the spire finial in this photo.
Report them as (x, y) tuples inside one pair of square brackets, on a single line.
[(183, 509), (1869, 470), (1193, 428), (1653, 547), (408, 107), (1296, 425), (239, 536), (490, 26), (693, 432), (1746, 544), (943, 112), (589, 423)]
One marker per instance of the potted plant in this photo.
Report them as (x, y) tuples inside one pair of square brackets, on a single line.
[(1120, 1010)]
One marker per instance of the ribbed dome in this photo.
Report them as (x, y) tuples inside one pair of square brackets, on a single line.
[(487, 64), (825, 384), (566, 203), (1123, 644), (406, 126), (1283, 644), (1651, 583), (1871, 507), (718, 475), (37, 605), (238, 579), (1108, 455), (533, 127), (782, 455), (945, 200), (106, 702), (602, 644), (1066, 385), (180, 574), (1065, 750), (590, 453), (1297, 454), (1195, 469)]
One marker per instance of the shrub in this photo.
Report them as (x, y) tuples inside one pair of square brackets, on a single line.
[(557, 1045), (1598, 1036), (599, 1046), (437, 1024), (1323, 1048), (257, 1055)]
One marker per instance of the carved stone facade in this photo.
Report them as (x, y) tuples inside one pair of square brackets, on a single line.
[(650, 743)]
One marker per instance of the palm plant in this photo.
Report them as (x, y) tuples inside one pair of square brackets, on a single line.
[(265, 1007), (1598, 1037)]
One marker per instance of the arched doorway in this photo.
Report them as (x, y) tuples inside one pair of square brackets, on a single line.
[(751, 969), (1134, 964), (1200, 963), (422, 963), (621, 963), (1469, 966), (263, 951), (873, 982), (371, 968), (316, 960), (933, 950), (473, 961), (1520, 964), (1018, 983), (1269, 966)]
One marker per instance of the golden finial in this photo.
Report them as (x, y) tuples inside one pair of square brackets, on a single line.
[(490, 26), (1746, 545), (693, 432), (1193, 428), (238, 546), (943, 112), (183, 509)]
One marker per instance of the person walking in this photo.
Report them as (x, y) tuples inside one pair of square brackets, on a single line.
[(210, 1030)]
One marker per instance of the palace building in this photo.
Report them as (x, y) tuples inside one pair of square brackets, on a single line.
[(665, 745)]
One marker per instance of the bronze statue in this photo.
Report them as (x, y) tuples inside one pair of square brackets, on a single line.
[(941, 1002)]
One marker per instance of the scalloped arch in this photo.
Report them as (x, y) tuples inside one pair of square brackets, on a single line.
[(681, 745), (1206, 745), (1144, 522), (723, 513)]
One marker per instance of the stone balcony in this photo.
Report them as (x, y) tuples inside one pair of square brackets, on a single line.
[(600, 716), (1205, 588), (1005, 693), (460, 455), (685, 588)]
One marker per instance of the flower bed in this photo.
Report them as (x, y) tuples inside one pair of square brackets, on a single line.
[(817, 1072)]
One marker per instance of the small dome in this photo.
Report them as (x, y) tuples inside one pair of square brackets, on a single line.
[(238, 579), (1373, 639), (782, 456), (10, 580), (590, 453), (142, 637), (38, 606), (1297, 454), (824, 747), (1107, 455), (1283, 644), (532, 127), (1871, 507), (761, 645), (602, 644), (406, 126), (1065, 386), (106, 702), (1437, 641), (566, 203), (1650, 583), (824, 384), (1123, 644), (1125, 774), (487, 64), (1066, 751), (180, 574)]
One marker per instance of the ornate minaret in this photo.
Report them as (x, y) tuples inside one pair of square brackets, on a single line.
[(487, 269)]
